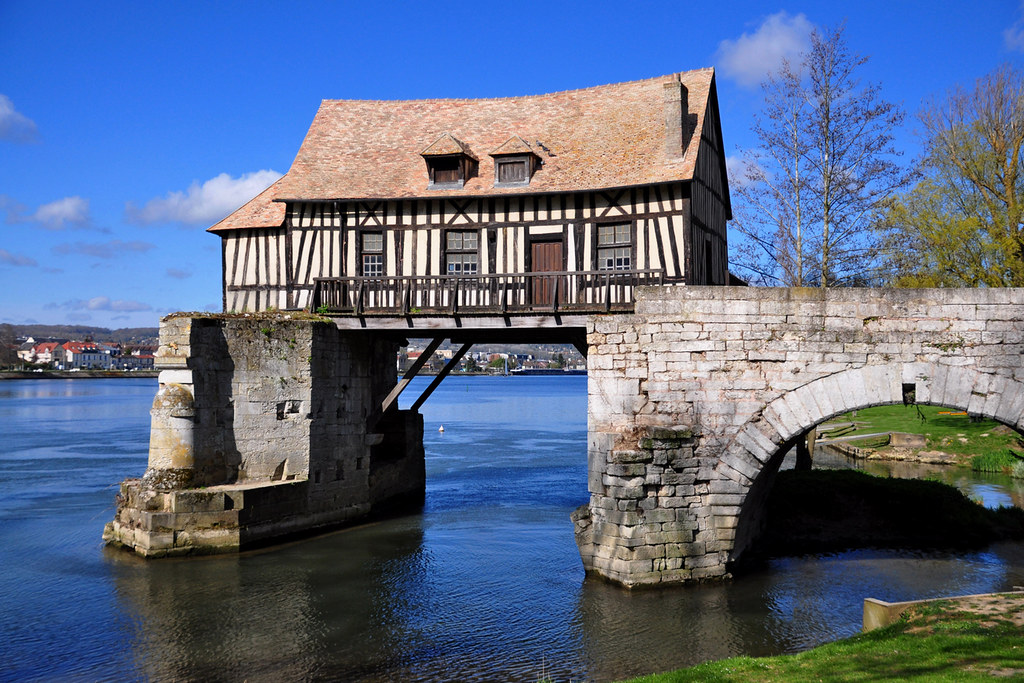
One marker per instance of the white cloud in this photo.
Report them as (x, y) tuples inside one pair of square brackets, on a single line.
[(1013, 37), (102, 303), (753, 56), (203, 204), (56, 215), (10, 259), (63, 213), (107, 250), (739, 167), (14, 125)]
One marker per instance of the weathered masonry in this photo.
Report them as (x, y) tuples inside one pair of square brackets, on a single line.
[(266, 427), (694, 400)]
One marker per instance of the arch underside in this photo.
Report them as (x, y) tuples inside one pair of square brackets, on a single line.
[(749, 461)]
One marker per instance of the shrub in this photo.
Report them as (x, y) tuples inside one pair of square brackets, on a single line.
[(998, 461), (1017, 470)]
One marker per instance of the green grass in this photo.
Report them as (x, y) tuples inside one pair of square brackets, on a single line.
[(955, 434), (936, 642), (997, 461)]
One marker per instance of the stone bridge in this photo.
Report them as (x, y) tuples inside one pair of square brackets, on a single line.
[(695, 399), (273, 425)]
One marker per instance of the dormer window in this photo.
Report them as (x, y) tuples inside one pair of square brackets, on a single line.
[(449, 163), (447, 171), (512, 171), (514, 163)]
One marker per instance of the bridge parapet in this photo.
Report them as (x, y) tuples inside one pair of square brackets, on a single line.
[(749, 371)]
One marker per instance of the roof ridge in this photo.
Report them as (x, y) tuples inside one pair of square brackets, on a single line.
[(536, 95)]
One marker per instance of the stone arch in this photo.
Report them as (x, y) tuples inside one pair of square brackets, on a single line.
[(748, 463)]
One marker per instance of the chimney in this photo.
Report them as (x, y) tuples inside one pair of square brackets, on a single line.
[(676, 119)]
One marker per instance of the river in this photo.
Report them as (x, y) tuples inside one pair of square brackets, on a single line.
[(484, 585)]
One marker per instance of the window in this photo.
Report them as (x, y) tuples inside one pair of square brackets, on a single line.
[(461, 252), (373, 254), (515, 162), (614, 247), (449, 172), (449, 163), (445, 170), (512, 170)]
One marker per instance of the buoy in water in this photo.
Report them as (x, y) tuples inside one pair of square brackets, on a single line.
[(441, 428)]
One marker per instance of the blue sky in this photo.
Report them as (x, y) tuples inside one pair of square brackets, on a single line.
[(127, 129)]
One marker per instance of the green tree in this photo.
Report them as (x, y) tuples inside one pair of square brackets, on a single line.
[(961, 225), (8, 350), (471, 365), (825, 162)]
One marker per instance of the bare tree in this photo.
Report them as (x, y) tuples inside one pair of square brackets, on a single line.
[(824, 165), (963, 223), (772, 213)]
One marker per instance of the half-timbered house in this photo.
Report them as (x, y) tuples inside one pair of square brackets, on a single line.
[(555, 202)]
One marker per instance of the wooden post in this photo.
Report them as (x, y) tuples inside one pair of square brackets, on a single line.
[(449, 366), (392, 398)]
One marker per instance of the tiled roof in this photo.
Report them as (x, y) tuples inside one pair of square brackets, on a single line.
[(601, 137)]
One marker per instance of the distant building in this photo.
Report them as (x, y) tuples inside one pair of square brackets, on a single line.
[(81, 355), (136, 362)]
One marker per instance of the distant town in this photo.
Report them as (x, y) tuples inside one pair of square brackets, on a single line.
[(72, 355), (70, 349), (500, 359)]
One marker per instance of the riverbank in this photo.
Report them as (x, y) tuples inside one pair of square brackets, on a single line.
[(931, 435), (825, 511), (81, 374), (954, 640)]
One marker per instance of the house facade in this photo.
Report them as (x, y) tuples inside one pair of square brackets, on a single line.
[(80, 355), (560, 200)]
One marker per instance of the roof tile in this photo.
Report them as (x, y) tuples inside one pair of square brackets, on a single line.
[(600, 137)]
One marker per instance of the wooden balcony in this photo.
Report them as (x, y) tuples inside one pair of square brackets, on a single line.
[(576, 292)]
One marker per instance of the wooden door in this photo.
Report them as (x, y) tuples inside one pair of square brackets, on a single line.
[(545, 257)]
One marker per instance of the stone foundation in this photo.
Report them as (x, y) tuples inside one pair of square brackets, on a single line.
[(694, 400), (644, 527), (267, 426)]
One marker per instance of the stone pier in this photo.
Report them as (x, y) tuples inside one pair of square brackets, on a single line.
[(695, 398), (266, 426)]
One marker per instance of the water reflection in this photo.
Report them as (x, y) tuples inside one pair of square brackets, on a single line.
[(485, 585), (337, 604), (988, 488)]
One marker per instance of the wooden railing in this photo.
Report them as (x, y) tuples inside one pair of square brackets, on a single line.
[(581, 291)]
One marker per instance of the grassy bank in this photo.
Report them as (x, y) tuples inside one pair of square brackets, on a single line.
[(944, 430), (831, 510), (939, 641)]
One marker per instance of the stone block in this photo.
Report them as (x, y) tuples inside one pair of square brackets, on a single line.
[(630, 456), (659, 515)]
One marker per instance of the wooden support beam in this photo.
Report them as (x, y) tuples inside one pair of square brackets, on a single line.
[(581, 345), (392, 398), (449, 366)]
